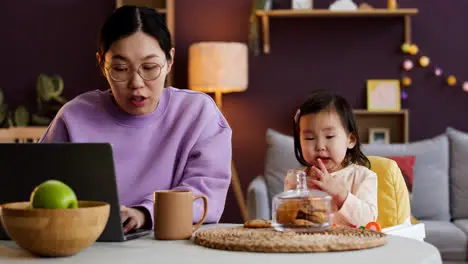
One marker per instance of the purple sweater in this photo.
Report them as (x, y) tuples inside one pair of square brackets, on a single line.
[(184, 144)]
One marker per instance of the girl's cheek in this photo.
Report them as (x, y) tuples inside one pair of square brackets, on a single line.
[(308, 155)]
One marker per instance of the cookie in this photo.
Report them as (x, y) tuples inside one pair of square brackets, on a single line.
[(302, 223), (318, 217), (257, 223), (287, 212), (317, 205)]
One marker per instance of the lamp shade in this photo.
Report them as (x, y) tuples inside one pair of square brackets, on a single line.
[(218, 67)]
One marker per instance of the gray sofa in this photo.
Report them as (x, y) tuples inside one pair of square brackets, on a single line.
[(440, 188)]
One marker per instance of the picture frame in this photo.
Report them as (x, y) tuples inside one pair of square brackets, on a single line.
[(379, 135), (383, 95)]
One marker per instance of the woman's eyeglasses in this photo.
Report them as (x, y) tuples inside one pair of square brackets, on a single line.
[(147, 71)]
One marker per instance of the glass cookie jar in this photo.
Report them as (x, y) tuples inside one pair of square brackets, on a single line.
[(301, 210)]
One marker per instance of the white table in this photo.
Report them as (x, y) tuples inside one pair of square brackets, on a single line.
[(398, 250)]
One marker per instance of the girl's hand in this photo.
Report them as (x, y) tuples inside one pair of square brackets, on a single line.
[(327, 183), (131, 218), (290, 182)]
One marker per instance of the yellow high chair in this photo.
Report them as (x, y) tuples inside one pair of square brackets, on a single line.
[(392, 195)]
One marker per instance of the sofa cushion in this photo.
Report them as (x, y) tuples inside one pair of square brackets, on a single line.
[(406, 165), (430, 196), (458, 172), (448, 238), (279, 159)]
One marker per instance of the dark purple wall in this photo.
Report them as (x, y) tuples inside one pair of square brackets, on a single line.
[(306, 53), (51, 36)]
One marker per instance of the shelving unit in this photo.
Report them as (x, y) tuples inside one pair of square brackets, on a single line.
[(265, 17), (397, 122), (165, 7)]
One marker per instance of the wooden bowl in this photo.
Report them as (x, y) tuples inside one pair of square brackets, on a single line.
[(55, 232)]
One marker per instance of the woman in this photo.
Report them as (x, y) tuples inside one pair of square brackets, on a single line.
[(162, 138)]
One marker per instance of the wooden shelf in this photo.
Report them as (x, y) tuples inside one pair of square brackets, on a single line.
[(265, 15), (367, 112), (396, 121), (326, 12)]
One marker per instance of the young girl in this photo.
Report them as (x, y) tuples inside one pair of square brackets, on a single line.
[(326, 142)]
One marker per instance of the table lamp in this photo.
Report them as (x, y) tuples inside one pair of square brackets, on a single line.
[(220, 67)]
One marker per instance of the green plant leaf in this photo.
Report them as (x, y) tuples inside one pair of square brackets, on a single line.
[(10, 120), (39, 103), (2, 116), (52, 107), (60, 99), (21, 116), (45, 87), (57, 81), (40, 120)]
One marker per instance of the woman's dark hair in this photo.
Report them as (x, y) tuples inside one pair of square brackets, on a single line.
[(129, 19), (326, 100)]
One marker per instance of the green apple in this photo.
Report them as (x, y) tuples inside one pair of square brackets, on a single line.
[(53, 194)]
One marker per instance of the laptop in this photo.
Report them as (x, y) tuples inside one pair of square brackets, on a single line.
[(88, 168)]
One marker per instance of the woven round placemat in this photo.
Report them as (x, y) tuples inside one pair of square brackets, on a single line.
[(270, 240)]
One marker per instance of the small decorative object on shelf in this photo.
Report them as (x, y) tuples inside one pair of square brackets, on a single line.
[(365, 6), (301, 210), (302, 4), (379, 136), (383, 95), (263, 4), (392, 4), (343, 5)]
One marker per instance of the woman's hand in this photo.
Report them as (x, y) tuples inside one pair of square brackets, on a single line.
[(327, 183), (133, 218)]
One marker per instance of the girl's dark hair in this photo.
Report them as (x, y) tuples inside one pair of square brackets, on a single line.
[(129, 19), (326, 100)]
